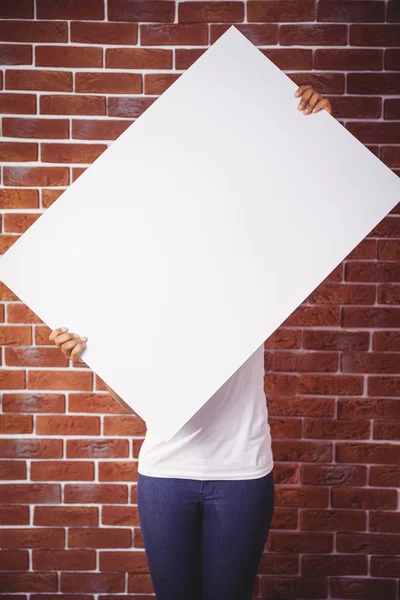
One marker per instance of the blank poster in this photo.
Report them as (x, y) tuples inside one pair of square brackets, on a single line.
[(197, 233)]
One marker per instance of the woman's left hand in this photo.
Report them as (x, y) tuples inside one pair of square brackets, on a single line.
[(311, 101)]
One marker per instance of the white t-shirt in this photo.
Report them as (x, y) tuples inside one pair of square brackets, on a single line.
[(228, 438)]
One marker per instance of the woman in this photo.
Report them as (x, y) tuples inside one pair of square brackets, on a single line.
[(206, 497)]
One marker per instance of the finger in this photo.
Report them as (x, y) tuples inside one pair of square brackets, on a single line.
[(57, 332), (300, 90), (76, 353), (305, 98), (323, 104), (312, 102), (64, 337), (68, 346)]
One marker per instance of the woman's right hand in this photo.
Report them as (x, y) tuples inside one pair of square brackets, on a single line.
[(70, 344)]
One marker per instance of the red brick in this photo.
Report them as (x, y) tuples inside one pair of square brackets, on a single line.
[(278, 383), (104, 33), (389, 294), (302, 451), (374, 35), (384, 386), (92, 129), (109, 83), (11, 424), (126, 425), (68, 424), (128, 107), (18, 151), (131, 561), (315, 35), (86, 537), (71, 153), (66, 516), (107, 493), (14, 560), (314, 565), (36, 176), (333, 520), (138, 583), (351, 11), (336, 340), (365, 249), (159, 11), (64, 560), (28, 582), (334, 475), (10, 198), (212, 12), (157, 83), (393, 11), (17, 103), (12, 54), (285, 339), (303, 542), (12, 470), (362, 587), (384, 476), (368, 408), (285, 428), (118, 471), (18, 223), (31, 493), (20, 10), (348, 60), (30, 448), (34, 403), (390, 155), (325, 83), (387, 341), (59, 380), (332, 385), (48, 198), (363, 452), (373, 83), (12, 380), (120, 515), (298, 406), (68, 56), (372, 271), (37, 80), (35, 128), (314, 316), (386, 430), (110, 583), (260, 34), (278, 10), (97, 403), (392, 60), (72, 105), (77, 172), (15, 336), (367, 362), (290, 58), (334, 293), (305, 362), (368, 543), (102, 448), (339, 430), (33, 31), (174, 35), (62, 471), (138, 58), (73, 9), (5, 292), (20, 313), (374, 317)]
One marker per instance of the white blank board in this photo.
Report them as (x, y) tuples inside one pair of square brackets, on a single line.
[(198, 232)]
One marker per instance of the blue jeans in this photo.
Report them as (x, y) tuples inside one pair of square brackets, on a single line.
[(204, 539)]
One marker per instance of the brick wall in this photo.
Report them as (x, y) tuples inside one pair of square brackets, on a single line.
[(75, 74)]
